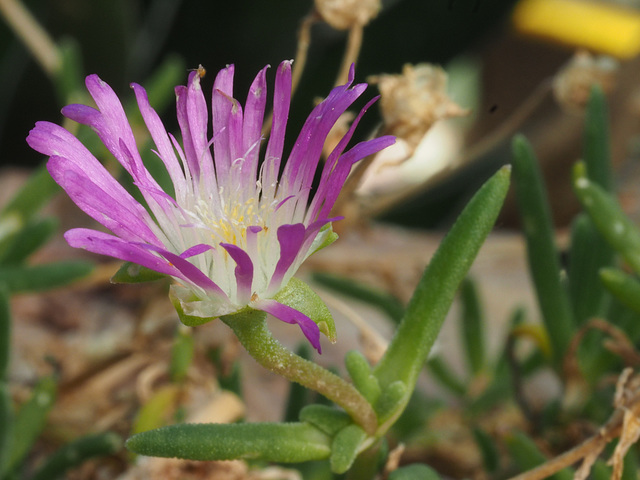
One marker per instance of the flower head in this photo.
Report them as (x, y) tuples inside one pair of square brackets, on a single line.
[(237, 229)]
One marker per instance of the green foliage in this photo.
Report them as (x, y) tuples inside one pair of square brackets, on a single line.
[(544, 265), (77, 452), (274, 442)]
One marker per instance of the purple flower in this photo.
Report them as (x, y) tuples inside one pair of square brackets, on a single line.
[(237, 230)]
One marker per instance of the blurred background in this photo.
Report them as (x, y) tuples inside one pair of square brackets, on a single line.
[(494, 67)]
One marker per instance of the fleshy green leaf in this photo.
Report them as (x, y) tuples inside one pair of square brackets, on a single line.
[(344, 448), (472, 326), (273, 442), (415, 471), (589, 253), (328, 419), (77, 452), (434, 295), (624, 287), (30, 420), (392, 398), (300, 296), (597, 151), (488, 449), (34, 278), (608, 217), (443, 374), (362, 377), (544, 264), (134, 273)]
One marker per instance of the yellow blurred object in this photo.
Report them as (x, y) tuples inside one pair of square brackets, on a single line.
[(598, 26)]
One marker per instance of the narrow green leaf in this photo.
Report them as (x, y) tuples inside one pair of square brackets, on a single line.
[(360, 373), (273, 442), (622, 286), (444, 376), (589, 253), (543, 259), (298, 295), (386, 302), (416, 471), (526, 455), (77, 452), (5, 333), (472, 326), (29, 239), (608, 217), (34, 194), (328, 419), (157, 411), (600, 471), (69, 80), (35, 278), (181, 354), (30, 420), (134, 273), (432, 299), (488, 449), (344, 448), (597, 149), (6, 420)]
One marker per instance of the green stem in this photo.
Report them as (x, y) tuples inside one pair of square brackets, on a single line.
[(251, 329)]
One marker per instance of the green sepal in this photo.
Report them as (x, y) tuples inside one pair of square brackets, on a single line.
[(329, 239), (30, 420), (608, 217), (188, 320), (75, 453), (622, 286), (328, 419), (345, 448), (416, 471), (271, 442), (363, 379), (299, 296), (133, 273)]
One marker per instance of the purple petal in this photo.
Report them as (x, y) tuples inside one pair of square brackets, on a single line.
[(281, 104), (110, 211), (190, 272), (252, 126), (161, 139), (243, 271), (291, 316), (305, 155), (197, 116), (187, 141), (196, 250), (105, 244), (334, 183), (290, 238)]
